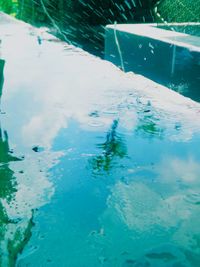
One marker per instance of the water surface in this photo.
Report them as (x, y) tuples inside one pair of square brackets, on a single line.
[(98, 168)]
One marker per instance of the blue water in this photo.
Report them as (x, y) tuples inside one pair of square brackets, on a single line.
[(143, 208), (91, 173)]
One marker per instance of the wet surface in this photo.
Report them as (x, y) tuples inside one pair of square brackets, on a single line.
[(98, 167)]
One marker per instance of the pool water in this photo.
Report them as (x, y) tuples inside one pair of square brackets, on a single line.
[(94, 171)]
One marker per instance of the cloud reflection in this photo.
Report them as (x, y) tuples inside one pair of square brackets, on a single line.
[(153, 214), (24, 187)]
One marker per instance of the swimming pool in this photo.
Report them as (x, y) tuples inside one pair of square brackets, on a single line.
[(158, 52)]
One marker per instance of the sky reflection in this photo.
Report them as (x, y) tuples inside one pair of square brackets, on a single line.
[(87, 117)]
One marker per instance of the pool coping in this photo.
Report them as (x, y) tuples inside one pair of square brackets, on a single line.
[(152, 31)]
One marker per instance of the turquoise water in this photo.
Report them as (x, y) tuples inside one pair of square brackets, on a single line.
[(131, 204), (93, 172)]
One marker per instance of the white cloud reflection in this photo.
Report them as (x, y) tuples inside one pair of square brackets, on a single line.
[(165, 211)]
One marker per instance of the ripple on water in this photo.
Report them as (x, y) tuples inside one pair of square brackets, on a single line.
[(96, 124), (110, 111), (193, 198)]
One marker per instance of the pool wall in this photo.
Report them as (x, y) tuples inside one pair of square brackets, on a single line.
[(167, 57)]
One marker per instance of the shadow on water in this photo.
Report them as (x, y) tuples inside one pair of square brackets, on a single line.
[(14, 233)]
